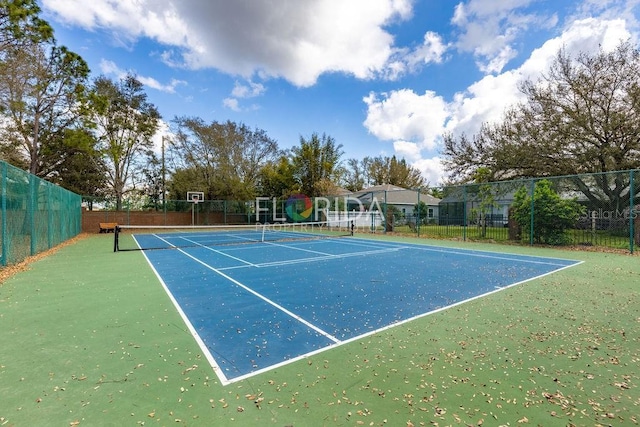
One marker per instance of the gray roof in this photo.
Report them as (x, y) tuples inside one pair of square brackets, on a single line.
[(395, 195), (459, 195)]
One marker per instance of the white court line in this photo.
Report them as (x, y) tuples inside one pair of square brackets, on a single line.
[(471, 252), (216, 368), (262, 297), (506, 258), (207, 354), (239, 238), (221, 253), (313, 259), (299, 249), (395, 324), (336, 342)]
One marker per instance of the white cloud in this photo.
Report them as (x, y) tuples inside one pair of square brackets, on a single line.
[(248, 90), (405, 115), (432, 50), (111, 68), (154, 84), (407, 150), (298, 42), (484, 101), (490, 28), (431, 169), (231, 103), (487, 99), (415, 122), (243, 91)]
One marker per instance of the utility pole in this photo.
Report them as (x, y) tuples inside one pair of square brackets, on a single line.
[(164, 193)]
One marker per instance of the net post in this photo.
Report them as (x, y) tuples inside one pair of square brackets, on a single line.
[(116, 233)]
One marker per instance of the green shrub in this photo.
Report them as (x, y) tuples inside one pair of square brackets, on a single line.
[(551, 214)]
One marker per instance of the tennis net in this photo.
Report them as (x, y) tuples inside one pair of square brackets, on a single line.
[(146, 237)]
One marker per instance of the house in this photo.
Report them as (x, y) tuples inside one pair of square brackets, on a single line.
[(401, 200), (493, 202)]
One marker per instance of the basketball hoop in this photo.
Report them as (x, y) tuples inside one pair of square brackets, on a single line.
[(194, 197)]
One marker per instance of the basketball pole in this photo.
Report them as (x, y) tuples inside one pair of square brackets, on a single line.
[(194, 202), (194, 197)]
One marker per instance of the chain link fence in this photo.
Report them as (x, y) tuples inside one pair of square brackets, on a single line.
[(583, 210), (35, 215)]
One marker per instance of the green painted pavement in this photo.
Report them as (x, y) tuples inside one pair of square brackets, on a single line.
[(90, 338)]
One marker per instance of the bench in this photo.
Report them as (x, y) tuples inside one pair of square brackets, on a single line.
[(108, 227)]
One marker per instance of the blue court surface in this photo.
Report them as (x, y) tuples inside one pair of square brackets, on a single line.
[(255, 306)]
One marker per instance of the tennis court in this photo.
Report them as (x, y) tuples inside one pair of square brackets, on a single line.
[(266, 302), (91, 338)]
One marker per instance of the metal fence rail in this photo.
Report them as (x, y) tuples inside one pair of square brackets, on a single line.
[(603, 210), (590, 210), (35, 215)]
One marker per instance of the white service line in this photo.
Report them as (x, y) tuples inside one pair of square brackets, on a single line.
[(313, 259), (265, 299), (299, 249), (221, 253)]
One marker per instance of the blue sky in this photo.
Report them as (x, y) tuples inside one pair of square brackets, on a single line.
[(381, 77)]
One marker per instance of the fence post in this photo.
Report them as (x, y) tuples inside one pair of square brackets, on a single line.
[(464, 213), (533, 205), (417, 210), (385, 220), (632, 215), (51, 219), (5, 235), (31, 215)]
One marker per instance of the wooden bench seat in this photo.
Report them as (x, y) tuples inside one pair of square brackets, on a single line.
[(108, 227)]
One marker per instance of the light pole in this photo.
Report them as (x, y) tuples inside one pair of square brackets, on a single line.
[(164, 194)]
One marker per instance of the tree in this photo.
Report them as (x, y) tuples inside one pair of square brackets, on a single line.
[(389, 170), (277, 178), (355, 175), (582, 116), (125, 123), (152, 184), (226, 158), (316, 162), (20, 24), (484, 192), (404, 175), (421, 212), (79, 166), (42, 94), (185, 180), (551, 214)]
